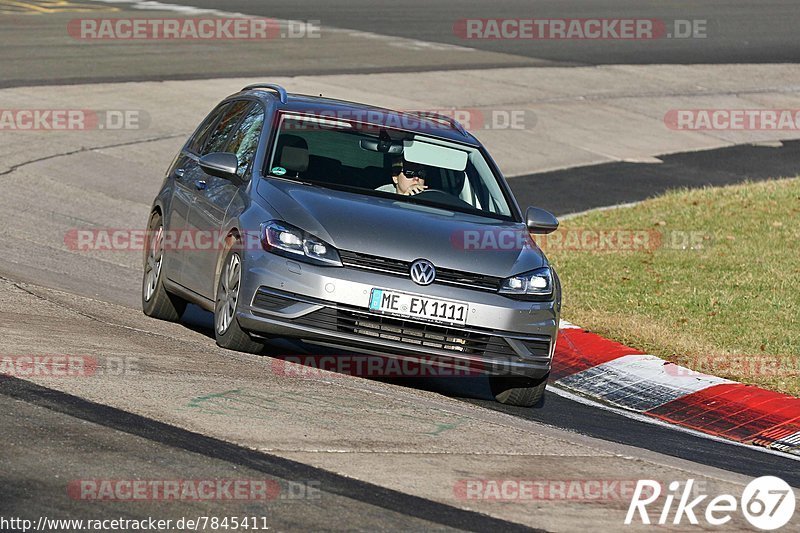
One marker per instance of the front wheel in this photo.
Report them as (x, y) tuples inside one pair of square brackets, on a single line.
[(519, 391), (226, 328)]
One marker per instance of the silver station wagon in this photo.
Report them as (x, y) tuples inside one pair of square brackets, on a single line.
[(357, 228)]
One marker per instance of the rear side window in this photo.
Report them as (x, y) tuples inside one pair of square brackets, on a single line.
[(221, 134), (244, 140), (201, 135)]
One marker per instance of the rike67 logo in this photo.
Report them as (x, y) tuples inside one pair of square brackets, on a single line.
[(767, 503)]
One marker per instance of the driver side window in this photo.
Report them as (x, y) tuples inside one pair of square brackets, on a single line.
[(221, 134), (200, 136), (244, 140)]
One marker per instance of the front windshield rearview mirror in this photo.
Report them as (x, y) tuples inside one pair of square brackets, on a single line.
[(540, 221), (379, 145), (220, 164)]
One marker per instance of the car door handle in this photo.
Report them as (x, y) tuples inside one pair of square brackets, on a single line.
[(200, 185), (180, 172)]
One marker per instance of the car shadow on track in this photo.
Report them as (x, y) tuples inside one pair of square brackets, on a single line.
[(199, 320), (467, 387)]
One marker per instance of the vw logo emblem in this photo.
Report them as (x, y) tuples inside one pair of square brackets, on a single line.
[(423, 272)]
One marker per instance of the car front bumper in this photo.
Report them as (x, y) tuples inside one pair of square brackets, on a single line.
[(329, 306)]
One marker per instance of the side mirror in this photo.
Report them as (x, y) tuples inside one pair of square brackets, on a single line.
[(221, 164), (540, 221)]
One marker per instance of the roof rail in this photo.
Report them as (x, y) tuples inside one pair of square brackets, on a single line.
[(273, 86), (442, 118)]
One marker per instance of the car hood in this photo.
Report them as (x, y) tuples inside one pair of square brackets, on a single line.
[(405, 231)]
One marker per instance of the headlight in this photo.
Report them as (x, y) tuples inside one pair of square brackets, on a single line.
[(534, 285), (284, 239)]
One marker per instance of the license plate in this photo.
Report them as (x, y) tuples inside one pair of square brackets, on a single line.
[(410, 305)]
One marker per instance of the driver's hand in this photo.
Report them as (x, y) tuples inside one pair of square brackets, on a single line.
[(416, 189)]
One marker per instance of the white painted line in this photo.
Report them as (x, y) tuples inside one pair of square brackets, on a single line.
[(147, 5), (790, 444), (598, 209), (657, 422), (391, 40), (638, 382)]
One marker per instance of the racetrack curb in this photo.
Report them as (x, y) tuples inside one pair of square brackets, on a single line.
[(590, 365)]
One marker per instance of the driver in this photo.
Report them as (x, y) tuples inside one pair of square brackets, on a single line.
[(408, 178)]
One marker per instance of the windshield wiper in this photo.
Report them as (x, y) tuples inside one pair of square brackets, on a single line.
[(458, 209)]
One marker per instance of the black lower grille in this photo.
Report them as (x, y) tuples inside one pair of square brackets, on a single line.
[(271, 301), (380, 326), (418, 334), (538, 348)]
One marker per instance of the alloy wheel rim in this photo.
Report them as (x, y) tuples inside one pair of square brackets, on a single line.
[(155, 258), (228, 293)]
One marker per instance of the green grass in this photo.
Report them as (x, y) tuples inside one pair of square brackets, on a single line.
[(729, 307)]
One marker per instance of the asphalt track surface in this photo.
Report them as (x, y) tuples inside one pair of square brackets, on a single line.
[(38, 422), (571, 415), (738, 31), (47, 421), (38, 51), (582, 188)]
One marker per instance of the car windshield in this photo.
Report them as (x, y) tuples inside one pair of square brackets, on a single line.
[(365, 158)]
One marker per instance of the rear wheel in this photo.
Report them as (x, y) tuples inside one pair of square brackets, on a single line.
[(520, 391), (226, 328), (156, 301)]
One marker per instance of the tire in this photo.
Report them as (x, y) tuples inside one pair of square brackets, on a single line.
[(156, 301), (226, 327), (519, 391)]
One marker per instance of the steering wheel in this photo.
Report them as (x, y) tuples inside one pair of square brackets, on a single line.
[(425, 191)]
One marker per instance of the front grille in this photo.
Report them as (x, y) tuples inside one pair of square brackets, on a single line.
[(372, 262), (444, 276), (417, 334)]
